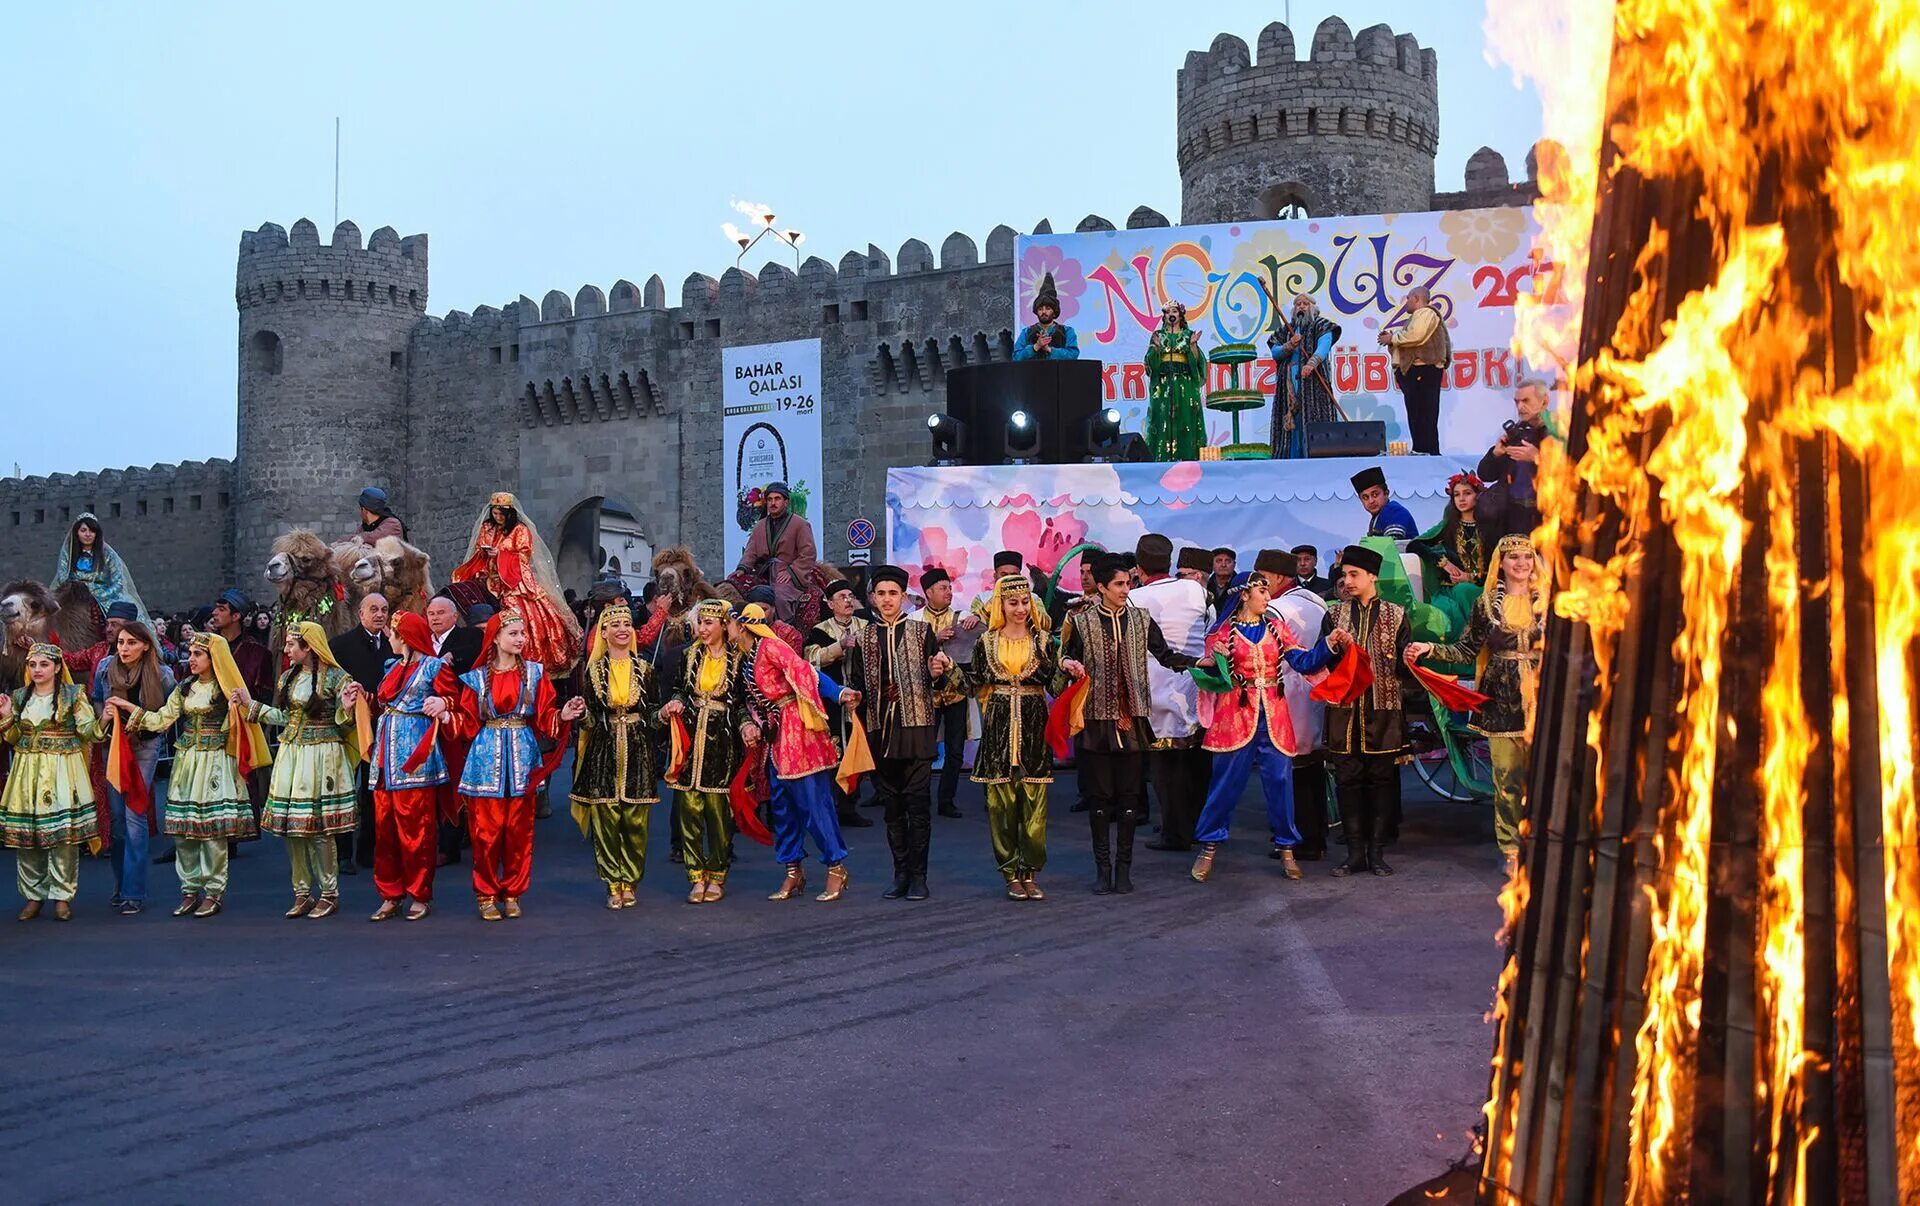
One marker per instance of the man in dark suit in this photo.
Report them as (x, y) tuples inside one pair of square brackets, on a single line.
[(362, 652), (459, 643)]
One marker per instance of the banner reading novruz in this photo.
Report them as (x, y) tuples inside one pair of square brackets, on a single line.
[(770, 393), (1112, 284)]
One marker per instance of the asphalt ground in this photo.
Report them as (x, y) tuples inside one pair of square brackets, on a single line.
[(1243, 1040)]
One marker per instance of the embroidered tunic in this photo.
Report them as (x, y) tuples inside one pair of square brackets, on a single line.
[(1114, 647), (404, 724), (312, 790), (1375, 723), (499, 713), (205, 796), (888, 666), (1014, 678), (1511, 669), (713, 692), (48, 800), (781, 687), (615, 763), (1256, 659)]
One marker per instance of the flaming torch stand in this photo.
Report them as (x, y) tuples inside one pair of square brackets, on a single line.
[(1610, 857)]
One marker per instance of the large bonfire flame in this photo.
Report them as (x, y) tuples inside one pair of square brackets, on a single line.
[(1734, 541)]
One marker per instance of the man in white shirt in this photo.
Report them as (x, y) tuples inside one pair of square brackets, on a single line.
[(1176, 765), (1305, 615), (957, 634)]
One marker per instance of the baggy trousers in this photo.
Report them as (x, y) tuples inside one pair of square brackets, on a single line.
[(1230, 771)]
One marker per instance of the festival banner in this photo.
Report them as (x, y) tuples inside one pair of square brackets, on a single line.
[(1112, 284), (770, 393)]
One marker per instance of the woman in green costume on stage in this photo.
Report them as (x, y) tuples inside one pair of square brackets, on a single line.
[(1176, 369)]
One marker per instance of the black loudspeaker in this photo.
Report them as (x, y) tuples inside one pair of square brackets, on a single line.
[(1352, 438), (1057, 394)]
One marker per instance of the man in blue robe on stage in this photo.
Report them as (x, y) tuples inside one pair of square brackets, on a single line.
[(1047, 339)]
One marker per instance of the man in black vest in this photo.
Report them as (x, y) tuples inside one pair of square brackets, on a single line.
[(1108, 644), (895, 663)]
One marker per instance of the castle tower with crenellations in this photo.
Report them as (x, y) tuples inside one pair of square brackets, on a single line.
[(597, 397), (1350, 129), (324, 332)]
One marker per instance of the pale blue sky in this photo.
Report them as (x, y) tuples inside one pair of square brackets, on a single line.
[(549, 145)]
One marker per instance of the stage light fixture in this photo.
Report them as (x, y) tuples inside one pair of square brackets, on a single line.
[(1101, 431), (1022, 443), (949, 440)]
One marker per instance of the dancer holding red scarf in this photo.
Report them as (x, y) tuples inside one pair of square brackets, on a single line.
[(213, 753), (706, 719), (1248, 723), (497, 708), (408, 773), (1366, 724)]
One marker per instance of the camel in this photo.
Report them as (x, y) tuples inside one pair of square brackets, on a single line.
[(396, 569), (309, 586), (31, 613)]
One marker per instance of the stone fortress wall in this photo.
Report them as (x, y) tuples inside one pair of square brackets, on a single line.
[(345, 381)]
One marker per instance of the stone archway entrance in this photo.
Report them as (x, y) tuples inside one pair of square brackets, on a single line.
[(600, 538)]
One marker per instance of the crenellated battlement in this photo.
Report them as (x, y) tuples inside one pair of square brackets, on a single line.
[(291, 265), (1256, 135)]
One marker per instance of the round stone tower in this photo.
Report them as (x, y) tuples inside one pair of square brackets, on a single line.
[(323, 380), (1351, 130)]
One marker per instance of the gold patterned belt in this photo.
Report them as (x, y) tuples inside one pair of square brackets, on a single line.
[(1017, 689), (1175, 358), (1263, 682), (627, 718), (710, 705), (1514, 656), (507, 722), (782, 702), (51, 745)]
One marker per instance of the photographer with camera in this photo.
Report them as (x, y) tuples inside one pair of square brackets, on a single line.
[(1509, 504)]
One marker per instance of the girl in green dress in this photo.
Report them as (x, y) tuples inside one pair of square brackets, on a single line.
[(1176, 367), (214, 751), (46, 810), (1014, 667), (311, 796)]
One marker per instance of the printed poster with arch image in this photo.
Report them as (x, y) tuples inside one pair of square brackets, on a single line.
[(770, 398)]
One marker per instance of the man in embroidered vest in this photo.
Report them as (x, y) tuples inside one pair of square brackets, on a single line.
[(895, 666), (1422, 350), (957, 635), (826, 647), (1108, 644), (1366, 736)]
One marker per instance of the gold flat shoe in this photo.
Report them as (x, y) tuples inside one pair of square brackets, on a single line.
[(510, 907), (489, 909)]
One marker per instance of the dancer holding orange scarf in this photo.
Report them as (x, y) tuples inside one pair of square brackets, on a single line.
[(214, 751), (615, 781), (312, 795), (707, 717)]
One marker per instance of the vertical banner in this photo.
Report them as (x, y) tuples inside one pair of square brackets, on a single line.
[(770, 394), (1358, 269)]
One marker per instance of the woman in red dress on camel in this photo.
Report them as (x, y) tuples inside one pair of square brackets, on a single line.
[(508, 557)]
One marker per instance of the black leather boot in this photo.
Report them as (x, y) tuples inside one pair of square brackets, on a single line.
[(1356, 860), (1376, 850), (1102, 856), (897, 844), (1123, 855)]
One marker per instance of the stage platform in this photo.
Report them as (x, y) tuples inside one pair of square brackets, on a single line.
[(958, 517)]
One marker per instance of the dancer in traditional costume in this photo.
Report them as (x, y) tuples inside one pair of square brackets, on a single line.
[(1047, 338), (214, 750), (46, 808), (1176, 369), (508, 557), (1249, 726), (1455, 554), (86, 557), (710, 707), (501, 708), (409, 773), (1503, 640), (897, 665), (827, 646), (133, 672), (1014, 667), (311, 797), (1177, 764), (615, 782), (956, 633), (1108, 644), (1366, 720), (784, 698)]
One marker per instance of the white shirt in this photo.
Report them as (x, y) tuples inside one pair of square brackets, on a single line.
[(1180, 608), (1302, 612), (440, 641)]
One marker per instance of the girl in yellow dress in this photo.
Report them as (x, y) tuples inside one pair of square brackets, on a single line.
[(46, 810)]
